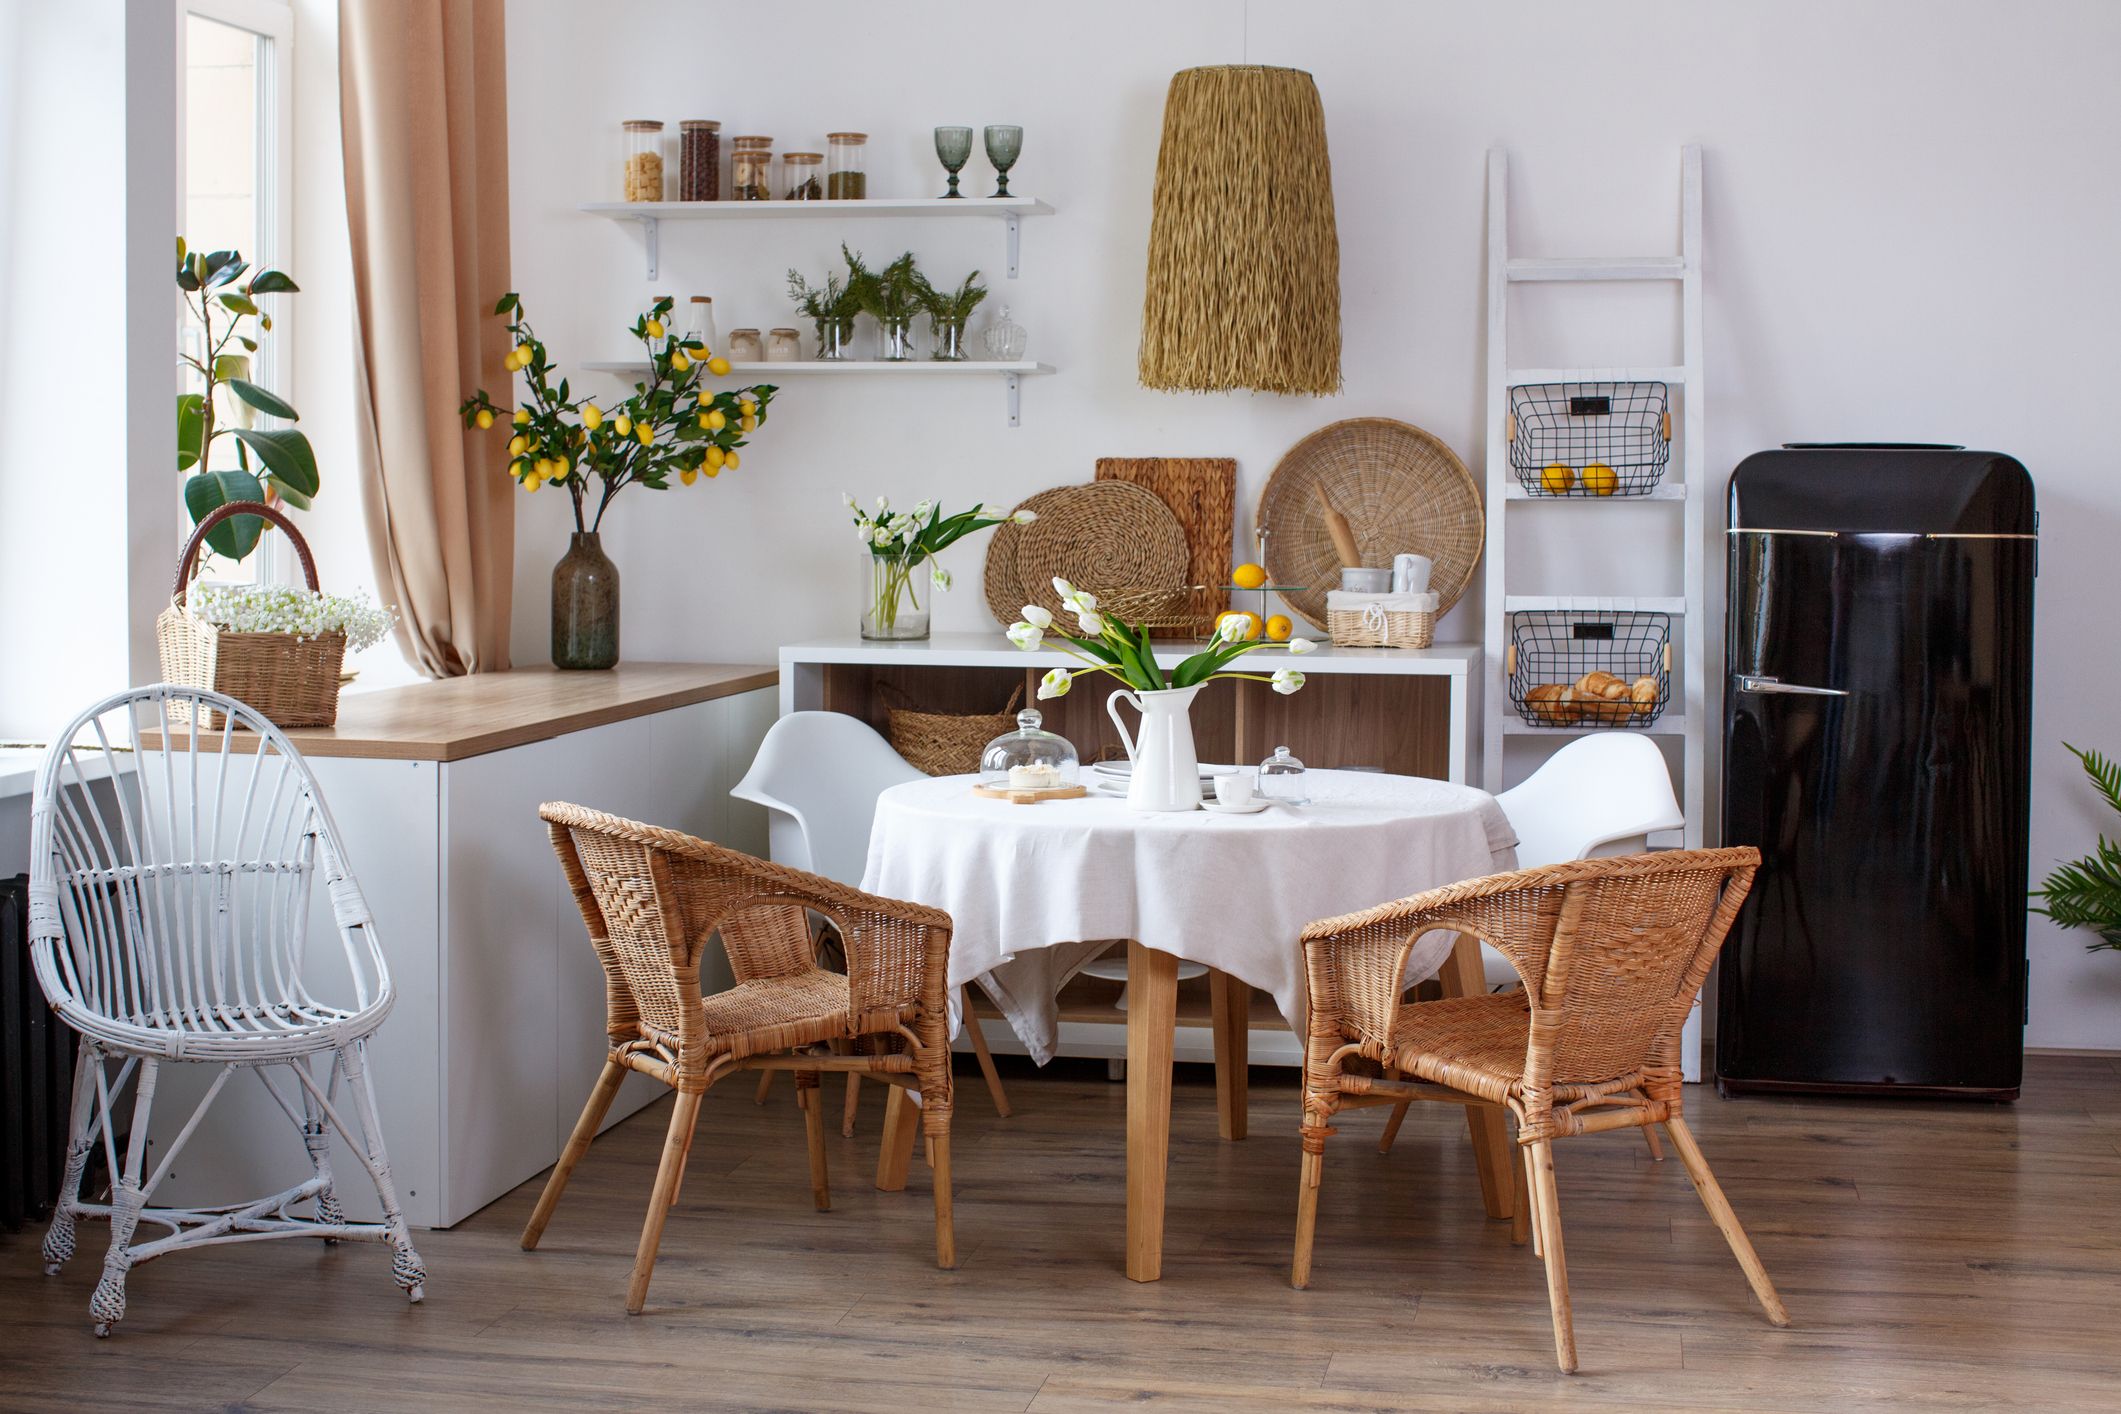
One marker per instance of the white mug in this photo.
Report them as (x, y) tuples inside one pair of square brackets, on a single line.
[(1234, 788), (1410, 574)]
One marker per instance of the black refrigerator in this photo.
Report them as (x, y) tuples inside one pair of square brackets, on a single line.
[(1876, 750)]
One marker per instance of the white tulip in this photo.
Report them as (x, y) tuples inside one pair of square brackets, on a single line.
[(1036, 615), (1055, 683), (883, 503), (1287, 680), (941, 577), (848, 497), (1064, 589), (1090, 621), (1301, 646), (1026, 636), (1024, 517), (1231, 628)]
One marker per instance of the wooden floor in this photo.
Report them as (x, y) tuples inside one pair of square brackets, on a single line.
[(1934, 1256)]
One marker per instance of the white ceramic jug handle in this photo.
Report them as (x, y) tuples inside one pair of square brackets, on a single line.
[(1112, 707)]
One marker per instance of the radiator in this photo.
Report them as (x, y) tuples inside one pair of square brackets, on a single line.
[(36, 1073)]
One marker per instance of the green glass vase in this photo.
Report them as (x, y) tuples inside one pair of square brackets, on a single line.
[(585, 605)]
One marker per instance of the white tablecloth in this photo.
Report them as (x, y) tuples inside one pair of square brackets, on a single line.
[(1035, 891)]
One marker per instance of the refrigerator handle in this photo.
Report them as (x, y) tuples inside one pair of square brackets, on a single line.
[(1753, 682)]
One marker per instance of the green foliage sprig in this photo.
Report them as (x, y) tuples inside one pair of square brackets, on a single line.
[(956, 306), (285, 458), (670, 427), (894, 294), (836, 301), (2086, 893)]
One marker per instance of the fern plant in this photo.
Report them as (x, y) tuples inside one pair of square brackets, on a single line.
[(2086, 893)]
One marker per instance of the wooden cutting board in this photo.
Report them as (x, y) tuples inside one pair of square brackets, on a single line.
[(1202, 493)]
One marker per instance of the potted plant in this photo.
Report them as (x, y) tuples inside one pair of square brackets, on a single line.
[(894, 296), (832, 306), (669, 429), (2086, 893), (226, 313), (948, 313), (894, 547), (1166, 774)]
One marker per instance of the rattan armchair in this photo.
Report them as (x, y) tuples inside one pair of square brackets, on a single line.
[(1612, 953), (651, 899)]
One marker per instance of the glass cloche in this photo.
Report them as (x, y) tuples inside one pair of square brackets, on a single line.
[(1281, 778), (1029, 758)]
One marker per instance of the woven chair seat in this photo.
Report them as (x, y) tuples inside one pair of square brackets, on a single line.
[(777, 1012), (1470, 1043)]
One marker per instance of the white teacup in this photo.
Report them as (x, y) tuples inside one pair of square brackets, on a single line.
[(1233, 789)]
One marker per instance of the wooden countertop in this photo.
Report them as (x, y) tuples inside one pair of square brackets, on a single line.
[(449, 719)]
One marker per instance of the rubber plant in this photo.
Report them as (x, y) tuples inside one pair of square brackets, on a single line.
[(2086, 893), (272, 463)]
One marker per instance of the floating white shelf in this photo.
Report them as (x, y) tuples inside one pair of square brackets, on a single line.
[(1012, 374), (650, 215), (1670, 724), (1595, 604)]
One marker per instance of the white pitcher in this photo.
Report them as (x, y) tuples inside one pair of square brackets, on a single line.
[(1166, 773)]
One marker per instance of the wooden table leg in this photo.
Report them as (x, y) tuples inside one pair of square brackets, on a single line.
[(1462, 976), (902, 1121), (1230, 1012), (1152, 1016)]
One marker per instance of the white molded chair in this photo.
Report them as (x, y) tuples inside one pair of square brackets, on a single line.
[(818, 774), (170, 885), (1599, 796)]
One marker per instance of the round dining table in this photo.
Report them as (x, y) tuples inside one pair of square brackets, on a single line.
[(1036, 891)]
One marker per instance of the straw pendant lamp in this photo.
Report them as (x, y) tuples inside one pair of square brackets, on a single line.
[(1244, 260)]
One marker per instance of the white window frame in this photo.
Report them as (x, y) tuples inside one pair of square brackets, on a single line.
[(273, 20)]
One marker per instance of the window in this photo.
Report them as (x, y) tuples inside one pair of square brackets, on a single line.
[(232, 188)]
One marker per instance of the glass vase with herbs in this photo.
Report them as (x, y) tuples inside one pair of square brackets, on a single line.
[(670, 429), (831, 307), (895, 545), (948, 311), (894, 297)]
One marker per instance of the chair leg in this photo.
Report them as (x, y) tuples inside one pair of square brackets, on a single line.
[(1521, 1215), (1726, 1221), (80, 1138), (677, 1142), (316, 1139), (945, 1220), (1398, 1117), (1308, 1179), (765, 1085), (984, 1056), (852, 1104), (585, 1130), (405, 1264), (812, 1098), (1549, 1204), (128, 1197), (894, 1156), (1649, 1135)]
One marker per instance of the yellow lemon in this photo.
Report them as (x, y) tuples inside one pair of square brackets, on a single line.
[(746, 406), (533, 481), (1249, 620), (1248, 576), (715, 457), (679, 362), (484, 419), (689, 475), (729, 461), (643, 433), (516, 469), (1599, 479), (1557, 478), (655, 328), (1279, 628), (560, 468), (592, 416), (748, 424), (715, 421), (623, 425), (522, 416), (718, 366), (518, 444)]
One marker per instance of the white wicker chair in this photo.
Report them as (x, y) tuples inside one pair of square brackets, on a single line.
[(169, 903)]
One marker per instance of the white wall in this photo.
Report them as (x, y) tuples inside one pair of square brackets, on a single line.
[(1910, 224)]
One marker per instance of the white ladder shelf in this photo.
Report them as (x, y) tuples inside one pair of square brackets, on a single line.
[(1688, 717)]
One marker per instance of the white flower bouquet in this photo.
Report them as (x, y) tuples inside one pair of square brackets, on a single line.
[(283, 608), (1108, 645), (898, 543)]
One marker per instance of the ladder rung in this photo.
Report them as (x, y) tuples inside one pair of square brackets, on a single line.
[(1600, 267), (1594, 604), (1520, 377)]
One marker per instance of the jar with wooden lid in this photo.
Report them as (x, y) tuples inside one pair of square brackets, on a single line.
[(746, 347), (784, 345), (699, 160), (751, 168), (845, 176), (644, 159), (800, 178)]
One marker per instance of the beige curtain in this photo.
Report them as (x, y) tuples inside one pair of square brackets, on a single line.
[(424, 113)]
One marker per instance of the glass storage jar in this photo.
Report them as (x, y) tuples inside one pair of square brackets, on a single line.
[(699, 324), (1281, 778), (644, 159), (845, 178), (1029, 758), (744, 346), (699, 160), (751, 168), (1005, 339), (800, 180), (784, 346)]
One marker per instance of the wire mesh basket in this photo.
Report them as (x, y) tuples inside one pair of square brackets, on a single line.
[(1579, 668), (1590, 439)]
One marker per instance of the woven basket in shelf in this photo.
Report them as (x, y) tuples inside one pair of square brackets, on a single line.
[(946, 743), (291, 681), (1383, 628)]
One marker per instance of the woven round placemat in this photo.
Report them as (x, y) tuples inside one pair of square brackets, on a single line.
[(1102, 536), (1004, 591), (1403, 492)]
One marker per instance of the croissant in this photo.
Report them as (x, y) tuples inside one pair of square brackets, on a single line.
[(1601, 684), (1548, 705), (1643, 691)]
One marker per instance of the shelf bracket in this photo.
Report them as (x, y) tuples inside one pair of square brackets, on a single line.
[(1016, 388), (652, 229), (1011, 224)]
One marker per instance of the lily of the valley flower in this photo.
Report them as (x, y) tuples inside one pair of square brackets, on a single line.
[(1287, 680), (1301, 646), (1034, 614), (1055, 683), (1026, 636)]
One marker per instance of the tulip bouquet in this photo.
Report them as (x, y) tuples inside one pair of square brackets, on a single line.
[(1106, 645), (898, 544)]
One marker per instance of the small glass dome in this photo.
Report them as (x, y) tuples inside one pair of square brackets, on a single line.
[(1029, 758), (1281, 777)]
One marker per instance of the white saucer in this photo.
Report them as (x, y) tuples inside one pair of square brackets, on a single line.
[(1251, 807)]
